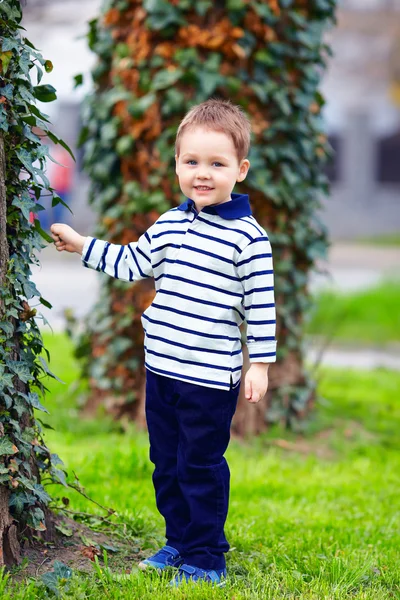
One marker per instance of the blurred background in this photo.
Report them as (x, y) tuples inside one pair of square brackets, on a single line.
[(361, 87)]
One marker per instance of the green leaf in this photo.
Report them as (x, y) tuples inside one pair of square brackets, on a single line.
[(124, 145), (41, 494), (26, 203), (45, 93), (46, 368), (139, 106), (45, 302), (57, 140), (20, 369), (5, 58), (7, 447), (164, 79), (34, 401), (6, 327), (59, 475), (64, 530), (18, 500), (208, 81), (44, 235), (36, 519), (78, 80)]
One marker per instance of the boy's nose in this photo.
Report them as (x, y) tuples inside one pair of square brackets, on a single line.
[(203, 174)]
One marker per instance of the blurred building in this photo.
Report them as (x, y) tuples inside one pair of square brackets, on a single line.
[(362, 112)]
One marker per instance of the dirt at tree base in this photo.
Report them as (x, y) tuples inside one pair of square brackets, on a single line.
[(39, 558)]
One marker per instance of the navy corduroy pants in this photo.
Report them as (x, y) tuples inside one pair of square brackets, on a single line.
[(189, 431)]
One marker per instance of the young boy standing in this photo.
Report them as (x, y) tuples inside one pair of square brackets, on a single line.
[(212, 266)]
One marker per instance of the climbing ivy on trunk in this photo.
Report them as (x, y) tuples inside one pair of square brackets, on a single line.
[(25, 461)]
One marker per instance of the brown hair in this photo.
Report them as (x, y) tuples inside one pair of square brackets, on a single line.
[(219, 115)]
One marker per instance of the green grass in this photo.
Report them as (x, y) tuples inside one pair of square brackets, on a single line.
[(386, 239), (370, 316), (314, 518)]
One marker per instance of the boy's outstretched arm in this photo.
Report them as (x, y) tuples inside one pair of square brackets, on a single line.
[(255, 269), (129, 263)]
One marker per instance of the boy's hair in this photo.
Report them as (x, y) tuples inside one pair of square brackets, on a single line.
[(219, 115)]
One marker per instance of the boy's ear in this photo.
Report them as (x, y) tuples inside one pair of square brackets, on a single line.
[(176, 162), (243, 169)]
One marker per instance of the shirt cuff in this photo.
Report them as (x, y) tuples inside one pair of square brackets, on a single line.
[(92, 252), (262, 352)]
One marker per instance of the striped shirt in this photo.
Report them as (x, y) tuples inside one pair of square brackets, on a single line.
[(212, 270)]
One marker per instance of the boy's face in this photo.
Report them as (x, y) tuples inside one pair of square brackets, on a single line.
[(207, 166)]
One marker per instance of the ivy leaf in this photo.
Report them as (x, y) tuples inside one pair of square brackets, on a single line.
[(55, 459), (53, 580), (5, 58), (59, 475), (25, 204), (20, 369), (36, 519), (45, 93), (41, 493), (44, 235), (64, 530), (7, 447), (25, 482), (33, 399), (6, 327), (45, 302), (57, 140), (209, 81), (46, 368), (78, 80), (18, 500), (20, 406), (7, 91), (164, 79)]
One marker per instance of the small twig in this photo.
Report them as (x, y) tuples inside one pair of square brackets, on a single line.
[(42, 563), (83, 514)]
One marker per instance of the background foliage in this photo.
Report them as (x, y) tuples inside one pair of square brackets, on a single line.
[(155, 60)]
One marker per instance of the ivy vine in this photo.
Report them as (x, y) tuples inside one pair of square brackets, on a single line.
[(25, 461)]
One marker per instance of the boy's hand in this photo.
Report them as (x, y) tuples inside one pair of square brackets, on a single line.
[(256, 382), (67, 238)]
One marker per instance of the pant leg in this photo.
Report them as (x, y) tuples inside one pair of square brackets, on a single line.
[(164, 437), (204, 416)]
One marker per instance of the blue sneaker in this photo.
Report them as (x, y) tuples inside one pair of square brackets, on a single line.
[(188, 573), (166, 557)]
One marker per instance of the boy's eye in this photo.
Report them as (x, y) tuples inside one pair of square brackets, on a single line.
[(216, 163)]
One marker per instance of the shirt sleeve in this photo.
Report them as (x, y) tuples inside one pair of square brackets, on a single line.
[(129, 263), (256, 273)]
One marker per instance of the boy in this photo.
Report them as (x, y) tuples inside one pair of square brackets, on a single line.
[(212, 266)]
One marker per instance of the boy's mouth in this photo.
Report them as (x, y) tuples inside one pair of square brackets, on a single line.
[(202, 188)]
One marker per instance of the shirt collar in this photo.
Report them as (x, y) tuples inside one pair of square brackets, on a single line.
[(238, 206)]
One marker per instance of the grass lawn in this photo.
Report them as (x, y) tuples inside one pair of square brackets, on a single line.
[(370, 316), (311, 517), (386, 239)]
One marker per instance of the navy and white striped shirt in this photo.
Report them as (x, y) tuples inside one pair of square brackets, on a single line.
[(212, 270)]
